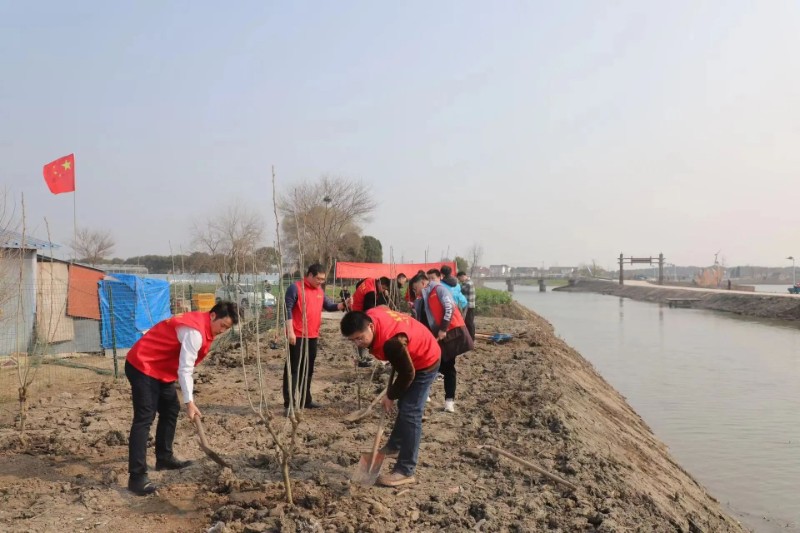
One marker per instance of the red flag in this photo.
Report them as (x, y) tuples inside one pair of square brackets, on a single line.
[(60, 174)]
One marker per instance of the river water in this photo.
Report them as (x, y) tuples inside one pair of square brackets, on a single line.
[(721, 391)]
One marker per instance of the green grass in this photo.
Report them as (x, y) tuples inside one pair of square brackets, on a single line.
[(485, 299)]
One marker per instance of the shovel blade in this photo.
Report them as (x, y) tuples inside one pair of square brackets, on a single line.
[(364, 475)]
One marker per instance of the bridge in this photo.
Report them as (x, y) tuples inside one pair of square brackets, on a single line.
[(510, 281)]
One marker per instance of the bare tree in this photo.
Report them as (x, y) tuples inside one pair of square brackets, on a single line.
[(92, 245), (323, 215), (475, 255), (230, 238)]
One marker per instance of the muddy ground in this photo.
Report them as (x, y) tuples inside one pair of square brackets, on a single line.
[(758, 305), (534, 397)]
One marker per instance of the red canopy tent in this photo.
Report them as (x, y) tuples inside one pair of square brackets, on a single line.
[(347, 270)]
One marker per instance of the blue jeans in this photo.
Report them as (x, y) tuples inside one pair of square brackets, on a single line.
[(407, 431)]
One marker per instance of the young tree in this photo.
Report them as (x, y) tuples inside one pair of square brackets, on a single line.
[(371, 249), (230, 238), (475, 255), (92, 246), (461, 264), (319, 215)]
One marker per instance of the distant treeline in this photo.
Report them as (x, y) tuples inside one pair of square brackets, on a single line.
[(200, 262)]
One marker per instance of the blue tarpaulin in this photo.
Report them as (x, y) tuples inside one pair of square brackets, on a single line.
[(139, 304)]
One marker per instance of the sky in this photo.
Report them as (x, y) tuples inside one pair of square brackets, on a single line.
[(549, 133)]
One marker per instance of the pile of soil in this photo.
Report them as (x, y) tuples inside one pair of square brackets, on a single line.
[(533, 396)]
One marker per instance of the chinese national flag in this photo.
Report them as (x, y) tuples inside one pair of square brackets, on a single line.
[(60, 174)]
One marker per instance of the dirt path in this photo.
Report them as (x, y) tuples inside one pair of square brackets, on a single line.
[(534, 397)]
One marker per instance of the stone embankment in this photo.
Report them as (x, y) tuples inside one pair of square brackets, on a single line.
[(759, 305)]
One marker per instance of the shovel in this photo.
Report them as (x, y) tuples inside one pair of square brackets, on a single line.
[(355, 416), (369, 466), (497, 338), (214, 456)]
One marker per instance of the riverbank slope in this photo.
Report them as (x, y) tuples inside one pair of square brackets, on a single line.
[(534, 396), (761, 305)]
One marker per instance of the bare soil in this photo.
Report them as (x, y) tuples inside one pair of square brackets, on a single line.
[(533, 396)]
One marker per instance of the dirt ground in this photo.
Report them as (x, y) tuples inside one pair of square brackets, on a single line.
[(533, 396)]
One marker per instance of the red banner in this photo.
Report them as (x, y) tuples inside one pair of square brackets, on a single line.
[(345, 270)]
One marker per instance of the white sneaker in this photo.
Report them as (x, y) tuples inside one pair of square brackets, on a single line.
[(450, 406), (427, 399)]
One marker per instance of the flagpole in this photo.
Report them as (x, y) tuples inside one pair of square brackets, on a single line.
[(74, 224)]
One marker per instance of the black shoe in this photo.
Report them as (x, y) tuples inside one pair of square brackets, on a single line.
[(171, 463), (141, 485), (312, 405), (365, 364)]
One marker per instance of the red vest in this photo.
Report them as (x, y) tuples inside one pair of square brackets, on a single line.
[(157, 353), (437, 310), (314, 298), (422, 346), (365, 287)]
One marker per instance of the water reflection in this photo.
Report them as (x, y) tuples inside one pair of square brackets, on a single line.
[(720, 390)]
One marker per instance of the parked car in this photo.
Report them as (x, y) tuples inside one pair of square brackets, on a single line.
[(246, 295)]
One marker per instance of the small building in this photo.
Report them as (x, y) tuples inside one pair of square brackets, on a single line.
[(18, 281), (483, 272), (48, 305), (499, 270), (524, 272)]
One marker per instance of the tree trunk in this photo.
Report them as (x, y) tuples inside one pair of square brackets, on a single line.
[(287, 482), (23, 407)]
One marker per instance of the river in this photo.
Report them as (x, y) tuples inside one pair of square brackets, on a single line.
[(721, 391)]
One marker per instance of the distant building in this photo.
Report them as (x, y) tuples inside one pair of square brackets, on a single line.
[(499, 270), (482, 272), (520, 272)]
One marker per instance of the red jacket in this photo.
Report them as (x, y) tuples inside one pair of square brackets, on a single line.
[(315, 298), (437, 309), (158, 352), (366, 286), (422, 346)]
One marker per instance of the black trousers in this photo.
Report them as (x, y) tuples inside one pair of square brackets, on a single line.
[(448, 370), (150, 396), (300, 375), (469, 320)]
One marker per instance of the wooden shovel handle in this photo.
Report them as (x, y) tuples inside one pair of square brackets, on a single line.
[(381, 423), (377, 443), (530, 465), (200, 432)]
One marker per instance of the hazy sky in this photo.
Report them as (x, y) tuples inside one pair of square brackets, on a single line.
[(555, 132)]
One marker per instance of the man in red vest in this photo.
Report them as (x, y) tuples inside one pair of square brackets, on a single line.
[(437, 309), (306, 295), (414, 355), (369, 293), (167, 353)]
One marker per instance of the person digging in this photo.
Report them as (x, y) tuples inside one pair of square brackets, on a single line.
[(414, 354), (167, 353)]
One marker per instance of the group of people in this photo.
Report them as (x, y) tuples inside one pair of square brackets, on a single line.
[(420, 333), (418, 345)]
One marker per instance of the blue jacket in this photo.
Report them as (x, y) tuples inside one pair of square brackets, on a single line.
[(455, 289)]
